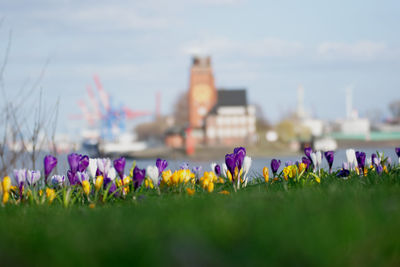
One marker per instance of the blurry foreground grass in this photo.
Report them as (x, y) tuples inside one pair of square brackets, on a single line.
[(339, 223)]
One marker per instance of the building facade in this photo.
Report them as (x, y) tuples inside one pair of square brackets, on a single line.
[(231, 121)]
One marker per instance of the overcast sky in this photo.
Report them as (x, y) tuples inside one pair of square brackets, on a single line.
[(270, 47)]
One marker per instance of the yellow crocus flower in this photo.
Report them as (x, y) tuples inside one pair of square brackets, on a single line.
[(86, 187), (302, 167), (166, 176), (286, 172), (210, 187), (385, 169), (266, 174), (50, 194), (6, 186), (98, 183), (175, 178), (224, 192), (236, 173), (190, 191), (148, 183), (229, 175)]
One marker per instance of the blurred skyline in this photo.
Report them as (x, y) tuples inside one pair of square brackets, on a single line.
[(268, 47)]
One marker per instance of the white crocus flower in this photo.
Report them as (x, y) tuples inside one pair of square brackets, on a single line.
[(319, 158), (368, 161), (224, 170), (104, 165), (212, 165), (351, 158), (313, 156), (246, 168), (112, 173), (152, 173), (92, 168)]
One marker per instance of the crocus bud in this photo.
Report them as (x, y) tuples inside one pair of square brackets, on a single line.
[(73, 160), (119, 166), (92, 168), (6, 185), (266, 174), (86, 187), (50, 163), (275, 165), (98, 183), (152, 173), (161, 165), (210, 187)]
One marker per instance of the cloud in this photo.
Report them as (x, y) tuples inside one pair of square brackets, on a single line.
[(223, 3), (360, 51), (100, 16), (267, 47)]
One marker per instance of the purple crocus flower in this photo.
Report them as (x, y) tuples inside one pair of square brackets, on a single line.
[(20, 179), (379, 169), (306, 161), (275, 164), (329, 155), (196, 170), (184, 166), (361, 160), (307, 152), (50, 163), (119, 166), (343, 173), (138, 177), (112, 189), (397, 150), (217, 170), (83, 163), (72, 177), (161, 164), (374, 159), (230, 163), (288, 163), (240, 153), (73, 160)]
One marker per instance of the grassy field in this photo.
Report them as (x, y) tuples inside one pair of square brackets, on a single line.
[(352, 222)]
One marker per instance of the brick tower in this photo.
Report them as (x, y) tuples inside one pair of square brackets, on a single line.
[(202, 94)]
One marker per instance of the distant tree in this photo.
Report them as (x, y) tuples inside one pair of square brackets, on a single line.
[(152, 130), (181, 110), (286, 130), (261, 121)]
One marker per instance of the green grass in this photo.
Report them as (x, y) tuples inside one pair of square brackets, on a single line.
[(353, 222)]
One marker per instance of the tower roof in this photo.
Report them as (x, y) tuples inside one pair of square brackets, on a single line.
[(230, 98)]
